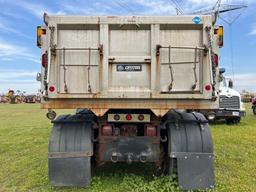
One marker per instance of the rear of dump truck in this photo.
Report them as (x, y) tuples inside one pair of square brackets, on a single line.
[(135, 82)]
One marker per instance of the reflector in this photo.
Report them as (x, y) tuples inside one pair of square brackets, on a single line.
[(208, 87), (51, 88), (44, 60)]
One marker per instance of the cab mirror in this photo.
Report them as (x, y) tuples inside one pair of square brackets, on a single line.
[(230, 84)]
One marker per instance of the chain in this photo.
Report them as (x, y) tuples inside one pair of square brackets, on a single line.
[(208, 30), (170, 68)]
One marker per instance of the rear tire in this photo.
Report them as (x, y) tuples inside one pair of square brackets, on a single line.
[(171, 166), (190, 150)]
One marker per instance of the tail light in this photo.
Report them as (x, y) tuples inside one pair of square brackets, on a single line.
[(44, 60), (128, 117), (215, 60), (107, 130), (116, 117), (150, 131), (220, 33), (51, 88), (208, 87), (141, 117), (40, 32)]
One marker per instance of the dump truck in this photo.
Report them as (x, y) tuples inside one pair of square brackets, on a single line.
[(135, 82), (231, 108)]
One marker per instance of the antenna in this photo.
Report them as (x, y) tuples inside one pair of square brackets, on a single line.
[(124, 5), (219, 8), (177, 6)]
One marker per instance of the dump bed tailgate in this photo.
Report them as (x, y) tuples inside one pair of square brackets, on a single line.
[(129, 57)]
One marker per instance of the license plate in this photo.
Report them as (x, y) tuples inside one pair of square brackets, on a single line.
[(235, 113), (130, 68)]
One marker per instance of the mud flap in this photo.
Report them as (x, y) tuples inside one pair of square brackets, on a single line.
[(72, 171), (70, 151), (190, 142), (195, 171)]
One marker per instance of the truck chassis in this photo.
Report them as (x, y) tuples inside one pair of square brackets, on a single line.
[(180, 142)]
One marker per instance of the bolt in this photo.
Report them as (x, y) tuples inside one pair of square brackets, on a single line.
[(185, 157)]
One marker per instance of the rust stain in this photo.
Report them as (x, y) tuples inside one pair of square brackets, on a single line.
[(100, 106)]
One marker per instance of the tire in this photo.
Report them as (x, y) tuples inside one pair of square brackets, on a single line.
[(233, 120), (190, 150), (254, 110), (170, 166)]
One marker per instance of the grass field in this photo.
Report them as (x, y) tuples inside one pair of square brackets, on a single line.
[(24, 132)]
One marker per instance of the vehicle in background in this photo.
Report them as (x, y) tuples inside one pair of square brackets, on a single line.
[(12, 98), (254, 105), (33, 98), (30, 99), (247, 96), (231, 108)]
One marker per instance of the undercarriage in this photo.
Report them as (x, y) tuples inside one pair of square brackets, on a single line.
[(178, 143)]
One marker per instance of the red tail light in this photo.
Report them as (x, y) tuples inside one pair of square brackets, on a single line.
[(129, 117), (107, 130), (150, 131), (208, 87), (44, 60), (51, 88), (215, 60)]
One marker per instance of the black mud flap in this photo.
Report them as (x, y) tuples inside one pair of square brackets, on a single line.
[(195, 171), (70, 151), (190, 142), (71, 171)]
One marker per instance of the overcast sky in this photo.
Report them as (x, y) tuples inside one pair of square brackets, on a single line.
[(20, 58)]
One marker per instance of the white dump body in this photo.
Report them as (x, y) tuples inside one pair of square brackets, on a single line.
[(135, 59)]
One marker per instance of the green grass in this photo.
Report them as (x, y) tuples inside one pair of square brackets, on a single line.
[(24, 132)]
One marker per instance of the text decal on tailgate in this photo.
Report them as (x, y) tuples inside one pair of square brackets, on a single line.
[(122, 67)]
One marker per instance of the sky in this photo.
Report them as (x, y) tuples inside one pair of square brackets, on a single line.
[(20, 58)]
